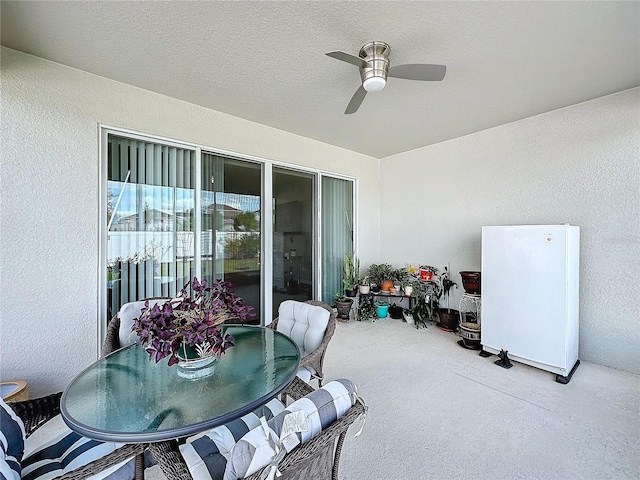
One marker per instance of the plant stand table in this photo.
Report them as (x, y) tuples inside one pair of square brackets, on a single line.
[(388, 296)]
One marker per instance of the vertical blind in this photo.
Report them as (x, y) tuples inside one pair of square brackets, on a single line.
[(150, 215), (337, 233)]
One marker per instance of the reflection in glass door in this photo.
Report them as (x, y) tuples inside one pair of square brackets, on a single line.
[(230, 225), (150, 202), (293, 236)]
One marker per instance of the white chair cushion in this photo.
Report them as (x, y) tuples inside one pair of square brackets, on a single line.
[(127, 313), (305, 374), (305, 324)]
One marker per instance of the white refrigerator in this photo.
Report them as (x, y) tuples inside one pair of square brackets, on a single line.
[(530, 279)]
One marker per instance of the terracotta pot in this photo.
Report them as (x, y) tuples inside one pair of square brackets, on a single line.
[(386, 285)]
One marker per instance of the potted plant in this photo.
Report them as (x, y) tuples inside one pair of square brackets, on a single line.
[(366, 309), (343, 306), (427, 272), (448, 317), (382, 309), (382, 275), (364, 285), (408, 316), (395, 311), (407, 286), (189, 328), (350, 274)]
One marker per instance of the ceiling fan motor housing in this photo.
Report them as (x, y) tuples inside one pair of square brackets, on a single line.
[(377, 55)]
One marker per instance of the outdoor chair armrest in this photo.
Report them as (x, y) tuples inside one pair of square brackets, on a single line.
[(297, 389), (170, 460), (37, 411), (111, 340)]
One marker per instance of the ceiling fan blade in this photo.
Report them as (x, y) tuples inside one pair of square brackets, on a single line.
[(352, 59), (356, 100), (419, 71)]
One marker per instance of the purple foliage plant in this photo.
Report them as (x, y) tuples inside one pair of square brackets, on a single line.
[(167, 329)]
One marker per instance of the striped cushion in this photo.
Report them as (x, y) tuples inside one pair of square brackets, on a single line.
[(322, 407), (56, 450), (206, 454), (12, 437)]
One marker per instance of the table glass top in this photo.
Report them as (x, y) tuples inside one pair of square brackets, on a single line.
[(126, 398)]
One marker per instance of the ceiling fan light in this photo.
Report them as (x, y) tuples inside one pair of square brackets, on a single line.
[(374, 84)]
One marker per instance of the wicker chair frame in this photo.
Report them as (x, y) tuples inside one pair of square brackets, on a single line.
[(319, 458), (112, 338), (34, 413), (315, 359)]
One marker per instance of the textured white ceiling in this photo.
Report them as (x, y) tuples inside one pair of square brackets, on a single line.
[(265, 60)]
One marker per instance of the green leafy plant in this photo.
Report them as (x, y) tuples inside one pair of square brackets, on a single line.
[(446, 284), (379, 272), (366, 309), (422, 312), (350, 271), (340, 297)]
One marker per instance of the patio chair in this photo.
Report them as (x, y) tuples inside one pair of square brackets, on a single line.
[(36, 444), (236, 451), (311, 325), (119, 328)]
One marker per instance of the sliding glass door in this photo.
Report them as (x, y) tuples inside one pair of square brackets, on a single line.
[(173, 212), (293, 236), (230, 227)]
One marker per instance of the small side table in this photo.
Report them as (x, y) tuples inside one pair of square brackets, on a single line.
[(14, 390)]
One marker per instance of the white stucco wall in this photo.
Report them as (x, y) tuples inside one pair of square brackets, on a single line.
[(578, 165), (49, 200)]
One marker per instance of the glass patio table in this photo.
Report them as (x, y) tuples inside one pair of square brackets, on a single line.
[(126, 398)]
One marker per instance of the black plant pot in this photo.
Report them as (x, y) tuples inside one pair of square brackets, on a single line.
[(344, 308), (351, 293), (395, 311), (449, 319)]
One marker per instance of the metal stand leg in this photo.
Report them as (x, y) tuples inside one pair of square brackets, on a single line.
[(140, 466)]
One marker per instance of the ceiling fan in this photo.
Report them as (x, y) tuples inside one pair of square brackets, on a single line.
[(373, 61)]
